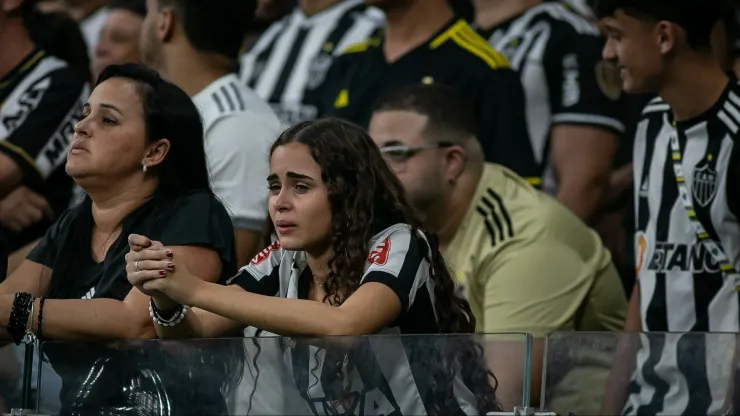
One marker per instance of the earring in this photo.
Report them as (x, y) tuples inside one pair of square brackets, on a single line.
[(144, 167)]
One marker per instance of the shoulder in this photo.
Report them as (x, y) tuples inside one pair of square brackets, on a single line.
[(194, 204), (358, 51), (492, 214), (243, 129), (58, 76), (49, 79), (397, 246), (466, 46), (564, 19), (655, 107)]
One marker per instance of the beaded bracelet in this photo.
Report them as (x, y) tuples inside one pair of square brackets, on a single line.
[(176, 318), (41, 316), (22, 304)]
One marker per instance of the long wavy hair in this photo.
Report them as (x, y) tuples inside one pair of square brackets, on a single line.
[(365, 198)]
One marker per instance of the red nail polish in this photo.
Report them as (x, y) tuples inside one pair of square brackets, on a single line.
[(162, 273), (169, 254), (170, 265)]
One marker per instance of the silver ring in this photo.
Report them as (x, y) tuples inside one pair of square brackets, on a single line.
[(136, 266)]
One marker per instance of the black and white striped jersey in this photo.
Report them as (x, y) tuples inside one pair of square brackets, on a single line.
[(557, 53), (681, 285), (388, 378), (40, 102), (293, 56), (239, 128)]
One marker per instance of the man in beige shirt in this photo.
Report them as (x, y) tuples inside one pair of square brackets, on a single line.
[(525, 263)]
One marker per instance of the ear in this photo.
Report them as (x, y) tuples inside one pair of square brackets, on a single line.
[(166, 24), (668, 33), (156, 153), (454, 163)]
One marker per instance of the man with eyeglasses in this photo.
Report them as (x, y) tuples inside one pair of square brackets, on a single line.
[(524, 261)]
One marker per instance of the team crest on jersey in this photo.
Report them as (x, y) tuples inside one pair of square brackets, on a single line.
[(318, 68), (509, 48), (265, 253), (609, 80), (704, 186), (379, 255)]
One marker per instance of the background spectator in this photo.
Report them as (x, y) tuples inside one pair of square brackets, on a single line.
[(41, 99), (574, 107), (423, 41), (118, 42), (196, 45), (294, 55), (524, 261)]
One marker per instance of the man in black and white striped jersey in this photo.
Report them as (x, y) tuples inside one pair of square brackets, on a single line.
[(574, 104), (196, 44), (293, 56), (687, 182)]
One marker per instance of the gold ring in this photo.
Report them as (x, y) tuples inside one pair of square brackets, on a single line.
[(136, 266)]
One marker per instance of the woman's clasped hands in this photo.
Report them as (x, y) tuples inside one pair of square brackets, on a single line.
[(153, 269)]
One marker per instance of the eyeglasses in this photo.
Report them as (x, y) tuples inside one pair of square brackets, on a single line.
[(397, 156)]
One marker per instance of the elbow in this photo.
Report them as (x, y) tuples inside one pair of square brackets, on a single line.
[(142, 330)]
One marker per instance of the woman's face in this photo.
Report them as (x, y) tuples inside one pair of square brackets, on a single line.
[(299, 205), (110, 141), (119, 40)]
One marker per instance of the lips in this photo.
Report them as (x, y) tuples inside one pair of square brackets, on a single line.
[(77, 147), (284, 227)]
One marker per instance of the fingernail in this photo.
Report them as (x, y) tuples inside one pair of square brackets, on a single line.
[(169, 254), (162, 273), (170, 265)]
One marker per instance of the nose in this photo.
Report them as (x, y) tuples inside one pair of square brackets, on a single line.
[(82, 128), (609, 52), (282, 201), (100, 50)]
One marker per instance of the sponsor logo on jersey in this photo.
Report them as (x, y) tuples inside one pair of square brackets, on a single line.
[(379, 255), (665, 257), (265, 253), (27, 102)]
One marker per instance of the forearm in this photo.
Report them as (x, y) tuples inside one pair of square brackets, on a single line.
[(190, 327), (581, 195), (78, 319), (287, 317)]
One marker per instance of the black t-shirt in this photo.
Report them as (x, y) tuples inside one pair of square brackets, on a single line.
[(40, 102), (455, 56), (196, 218)]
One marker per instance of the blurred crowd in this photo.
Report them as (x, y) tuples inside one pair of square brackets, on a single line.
[(576, 161)]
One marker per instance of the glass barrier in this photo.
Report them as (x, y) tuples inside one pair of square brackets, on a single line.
[(368, 375), (649, 373), (12, 372)]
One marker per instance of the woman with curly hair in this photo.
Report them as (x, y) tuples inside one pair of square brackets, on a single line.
[(350, 259)]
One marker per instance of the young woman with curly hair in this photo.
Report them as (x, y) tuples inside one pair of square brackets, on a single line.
[(350, 259)]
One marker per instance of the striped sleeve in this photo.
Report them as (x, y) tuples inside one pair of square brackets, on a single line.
[(261, 275), (397, 261), (584, 89)]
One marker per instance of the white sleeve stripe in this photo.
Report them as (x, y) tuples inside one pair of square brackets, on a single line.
[(565, 118), (656, 108)]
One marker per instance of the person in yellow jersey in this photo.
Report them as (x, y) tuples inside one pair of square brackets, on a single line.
[(525, 263)]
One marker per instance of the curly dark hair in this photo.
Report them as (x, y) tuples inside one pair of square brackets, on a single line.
[(365, 198)]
